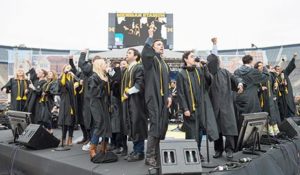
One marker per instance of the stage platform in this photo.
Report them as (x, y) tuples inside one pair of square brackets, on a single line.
[(283, 159)]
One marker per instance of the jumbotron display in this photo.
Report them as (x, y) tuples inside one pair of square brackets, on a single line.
[(131, 29)]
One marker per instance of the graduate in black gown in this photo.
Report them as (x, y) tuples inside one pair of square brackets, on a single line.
[(99, 89), (79, 101), (221, 95), (286, 104), (67, 116), (266, 99), (133, 102), (49, 90), (18, 89), (87, 71), (192, 85), (157, 96), (248, 102), (118, 143), (37, 80)]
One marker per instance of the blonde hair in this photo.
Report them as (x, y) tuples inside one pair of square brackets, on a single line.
[(23, 77), (54, 75), (97, 68)]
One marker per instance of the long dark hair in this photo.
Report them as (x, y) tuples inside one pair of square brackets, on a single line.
[(257, 63), (186, 55)]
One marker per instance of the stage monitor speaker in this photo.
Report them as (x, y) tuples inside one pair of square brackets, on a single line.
[(179, 157), (290, 128), (36, 137)]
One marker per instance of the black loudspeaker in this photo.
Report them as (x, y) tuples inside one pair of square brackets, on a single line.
[(36, 137), (179, 157), (290, 128)]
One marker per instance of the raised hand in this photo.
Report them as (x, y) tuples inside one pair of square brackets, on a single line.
[(28, 62), (295, 55), (4, 90), (151, 32), (214, 40), (85, 50)]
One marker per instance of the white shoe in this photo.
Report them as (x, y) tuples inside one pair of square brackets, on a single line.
[(86, 147)]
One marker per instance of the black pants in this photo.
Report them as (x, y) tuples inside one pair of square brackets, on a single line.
[(66, 129), (229, 143), (152, 148), (86, 135)]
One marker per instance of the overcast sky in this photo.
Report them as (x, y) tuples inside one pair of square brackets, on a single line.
[(76, 24)]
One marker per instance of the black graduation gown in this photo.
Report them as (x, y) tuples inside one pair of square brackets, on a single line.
[(30, 104), (134, 107), (202, 102), (17, 104), (87, 70), (267, 102), (221, 93), (37, 94), (248, 102), (286, 102), (79, 105), (155, 70), (116, 105), (67, 107), (47, 100), (99, 105), (33, 104)]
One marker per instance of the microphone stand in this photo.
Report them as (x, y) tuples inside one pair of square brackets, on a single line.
[(207, 163)]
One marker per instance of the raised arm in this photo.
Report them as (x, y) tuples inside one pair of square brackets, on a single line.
[(214, 48), (85, 66), (71, 62), (148, 52), (291, 66)]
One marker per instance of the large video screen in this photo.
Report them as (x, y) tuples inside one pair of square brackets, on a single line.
[(131, 29)]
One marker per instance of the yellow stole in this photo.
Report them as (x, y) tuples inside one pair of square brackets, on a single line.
[(63, 81), (191, 88), (124, 86), (160, 74), (19, 98)]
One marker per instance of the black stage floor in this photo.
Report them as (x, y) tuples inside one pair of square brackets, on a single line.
[(283, 160)]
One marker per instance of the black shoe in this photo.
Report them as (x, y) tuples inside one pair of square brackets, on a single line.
[(218, 154), (136, 157), (229, 154), (202, 158)]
